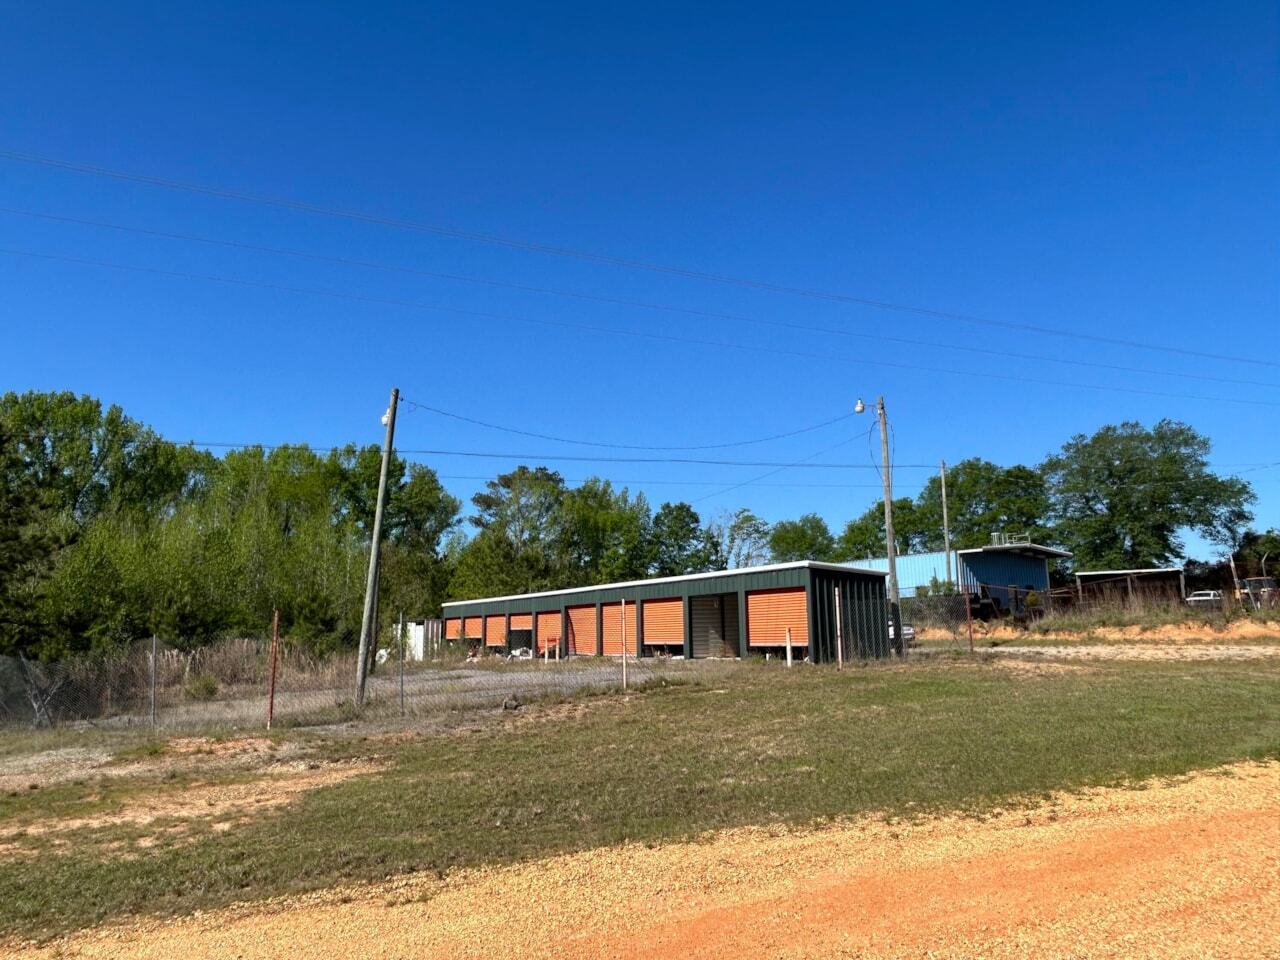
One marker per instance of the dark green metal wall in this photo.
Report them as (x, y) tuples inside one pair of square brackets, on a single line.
[(864, 611)]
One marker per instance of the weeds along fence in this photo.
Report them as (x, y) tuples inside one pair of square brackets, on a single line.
[(230, 684), (1068, 610)]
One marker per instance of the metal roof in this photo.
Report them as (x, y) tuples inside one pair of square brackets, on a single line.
[(1034, 549), (767, 568)]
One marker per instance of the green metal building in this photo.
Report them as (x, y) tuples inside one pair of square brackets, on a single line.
[(729, 613)]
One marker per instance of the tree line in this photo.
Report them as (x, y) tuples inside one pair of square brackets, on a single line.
[(110, 533)]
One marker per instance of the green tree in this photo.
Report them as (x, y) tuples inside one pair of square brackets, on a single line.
[(742, 539), (1124, 496), (807, 538), (604, 534), (523, 508), (863, 538), (982, 498), (680, 544)]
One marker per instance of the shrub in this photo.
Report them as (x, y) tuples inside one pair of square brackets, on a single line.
[(202, 686)]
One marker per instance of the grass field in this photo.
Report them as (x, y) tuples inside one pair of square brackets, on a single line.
[(757, 745)]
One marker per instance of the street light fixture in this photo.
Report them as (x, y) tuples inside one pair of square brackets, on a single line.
[(895, 613)]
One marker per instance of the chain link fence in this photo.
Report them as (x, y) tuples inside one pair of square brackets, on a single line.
[(230, 684)]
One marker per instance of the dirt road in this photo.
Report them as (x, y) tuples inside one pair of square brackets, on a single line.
[(1188, 869)]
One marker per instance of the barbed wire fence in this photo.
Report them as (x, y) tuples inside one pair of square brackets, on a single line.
[(230, 684)]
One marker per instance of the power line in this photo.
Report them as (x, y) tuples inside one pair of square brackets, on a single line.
[(619, 301), (775, 472), (623, 446), (613, 331), (591, 257)]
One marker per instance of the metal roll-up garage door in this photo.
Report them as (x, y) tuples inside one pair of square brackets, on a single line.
[(548, 629), (771, 612), (495, 630), (472, 628), (452, 628), (709, 625), (582, 629), (664, 622), (611, 628)]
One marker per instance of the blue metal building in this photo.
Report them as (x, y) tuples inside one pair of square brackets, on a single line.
[(1003, 571)]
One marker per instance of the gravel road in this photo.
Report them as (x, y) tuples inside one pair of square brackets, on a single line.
[(1183, 869)]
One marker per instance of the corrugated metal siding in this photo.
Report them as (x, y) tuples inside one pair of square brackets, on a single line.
[(915, 569), (771, 612), (864, 616), (472, 627), (582, 629), (664, 621), (548, 629), (453, 628), (708, 624), (495, 631), (1006, 569), (611, 628)]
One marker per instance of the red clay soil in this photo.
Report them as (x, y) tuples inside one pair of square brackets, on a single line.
[(1184, 869)]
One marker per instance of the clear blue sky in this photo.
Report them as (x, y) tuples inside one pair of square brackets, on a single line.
[(1104, 168)]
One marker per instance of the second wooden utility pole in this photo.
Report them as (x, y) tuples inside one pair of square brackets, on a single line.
[(946, 526), (891, 547), (371, 585)]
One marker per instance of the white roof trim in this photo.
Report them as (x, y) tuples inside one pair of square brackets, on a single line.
[(768, 568), (1100, 573)]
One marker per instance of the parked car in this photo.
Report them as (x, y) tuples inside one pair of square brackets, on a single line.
[(908, 632), (1205, 598)]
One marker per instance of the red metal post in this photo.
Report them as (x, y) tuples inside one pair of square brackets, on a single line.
[(275, 649)]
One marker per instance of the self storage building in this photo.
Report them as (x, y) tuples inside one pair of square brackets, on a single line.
[(725, 613)]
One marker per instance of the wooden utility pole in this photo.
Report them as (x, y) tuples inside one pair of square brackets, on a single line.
[(895, 615), (371, 585), (946, 525)]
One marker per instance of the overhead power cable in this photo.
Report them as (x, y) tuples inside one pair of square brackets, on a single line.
[(622, 446), (624, 302), (358, 216), (613, 331)]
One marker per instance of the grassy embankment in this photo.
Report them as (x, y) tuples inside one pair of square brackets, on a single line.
[(759, 746)]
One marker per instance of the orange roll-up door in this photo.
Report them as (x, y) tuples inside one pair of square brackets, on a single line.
[(771, 612), (522, 621), (471, 627), (611, 628), (452, 628), (495, 630), (664, 621), (582, 629), (548, 629)]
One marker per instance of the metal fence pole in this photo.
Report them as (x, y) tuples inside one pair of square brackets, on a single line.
[(154, 642), (400, 644), (839, 635)]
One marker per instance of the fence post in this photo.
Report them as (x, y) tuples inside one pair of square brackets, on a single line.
[(839, 634), (153, 680), (622, 612), (400, 644), (788, 647), (271, 684)]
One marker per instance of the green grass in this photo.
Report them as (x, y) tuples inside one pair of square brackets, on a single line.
[(761, 745)]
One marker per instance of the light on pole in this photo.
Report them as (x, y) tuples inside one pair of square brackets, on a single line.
[(895, 615)]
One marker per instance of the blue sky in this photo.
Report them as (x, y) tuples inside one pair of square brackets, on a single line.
[(1106, 169)]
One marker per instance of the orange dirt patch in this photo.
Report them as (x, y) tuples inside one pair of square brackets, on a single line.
[(279, 785), (1182, 869), (1176, 633)]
